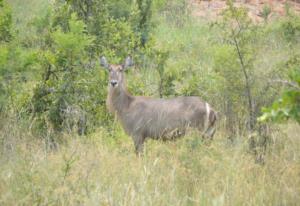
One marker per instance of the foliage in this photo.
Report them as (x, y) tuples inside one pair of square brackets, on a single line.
[(288, 104), (5, 22), (166, 84), (176, 12), (129, 21), (291, 28), (236, 63), (63, 93), (17, 66), (144, 20), (266, 12)]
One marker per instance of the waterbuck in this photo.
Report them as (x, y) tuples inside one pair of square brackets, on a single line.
[(145, 117)]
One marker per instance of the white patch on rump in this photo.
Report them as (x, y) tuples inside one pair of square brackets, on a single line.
[(207, 115)]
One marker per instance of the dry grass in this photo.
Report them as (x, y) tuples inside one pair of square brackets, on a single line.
[(95, 171)]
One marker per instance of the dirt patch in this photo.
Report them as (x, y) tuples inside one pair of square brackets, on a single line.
[(211, 10)]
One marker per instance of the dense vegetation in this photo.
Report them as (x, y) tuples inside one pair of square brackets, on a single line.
[(59, 145)]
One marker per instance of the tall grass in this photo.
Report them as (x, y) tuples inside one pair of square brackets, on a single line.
[(98, 171)]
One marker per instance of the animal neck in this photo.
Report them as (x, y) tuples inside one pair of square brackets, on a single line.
[(119, 99)]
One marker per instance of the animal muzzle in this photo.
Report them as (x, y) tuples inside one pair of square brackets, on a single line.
[(114, 83)]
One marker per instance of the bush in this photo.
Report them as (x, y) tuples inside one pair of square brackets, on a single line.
[(288, 104)]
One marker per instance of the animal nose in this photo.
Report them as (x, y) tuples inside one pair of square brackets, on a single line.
[(113, 83)]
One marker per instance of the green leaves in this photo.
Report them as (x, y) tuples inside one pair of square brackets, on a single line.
[(73, 43), (288, 104), (118, 40), (291, 28), (287, 107), (61, 99), (5, 22)]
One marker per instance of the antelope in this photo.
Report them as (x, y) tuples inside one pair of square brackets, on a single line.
[(145, 117)]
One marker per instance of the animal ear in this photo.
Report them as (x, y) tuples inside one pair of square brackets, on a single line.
[(128, 63), (103, 62)]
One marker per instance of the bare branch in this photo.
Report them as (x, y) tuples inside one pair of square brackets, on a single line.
[(285, 82)]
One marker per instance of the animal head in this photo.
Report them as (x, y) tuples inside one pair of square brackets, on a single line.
[(116, 71)]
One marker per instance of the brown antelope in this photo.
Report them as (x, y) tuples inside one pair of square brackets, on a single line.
[(145, 117)]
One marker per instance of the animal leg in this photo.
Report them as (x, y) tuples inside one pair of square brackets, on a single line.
[(138, 144), (209, 133), (211, 129)]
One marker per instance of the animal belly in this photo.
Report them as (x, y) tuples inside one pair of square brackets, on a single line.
[(165, 126), (165, 133), (172, 134)]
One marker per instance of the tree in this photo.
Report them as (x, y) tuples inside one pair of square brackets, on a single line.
[(59, 98), (238, 34)]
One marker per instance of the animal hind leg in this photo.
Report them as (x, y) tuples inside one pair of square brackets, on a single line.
[(209, 133), (138, 145), (211, 129)]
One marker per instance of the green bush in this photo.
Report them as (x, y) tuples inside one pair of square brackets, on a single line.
[(63, 91), (288, 104), (5, 22), (291, 28)]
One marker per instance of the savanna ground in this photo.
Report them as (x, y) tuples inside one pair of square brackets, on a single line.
[(101, 168)]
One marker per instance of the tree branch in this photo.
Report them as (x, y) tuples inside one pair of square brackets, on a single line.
[(247, 84), (285, 82)]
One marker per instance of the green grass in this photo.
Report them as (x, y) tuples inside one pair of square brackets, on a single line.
[(24, 11), (100, 171)]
